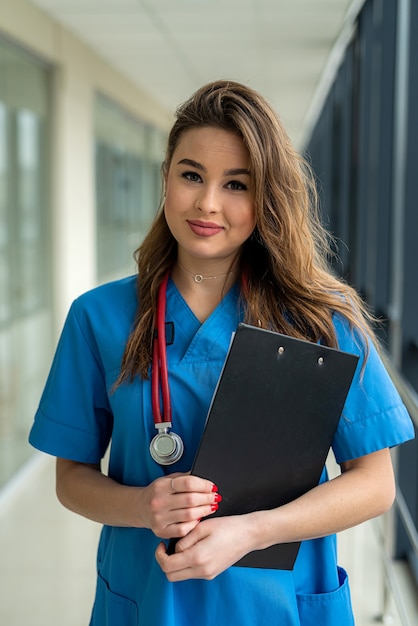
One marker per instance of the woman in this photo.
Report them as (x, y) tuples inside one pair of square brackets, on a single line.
[(237, 239)]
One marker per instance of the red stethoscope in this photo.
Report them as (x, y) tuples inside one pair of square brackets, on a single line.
[(166, 447)]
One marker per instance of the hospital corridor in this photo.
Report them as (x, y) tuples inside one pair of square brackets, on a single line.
[(88, 95)]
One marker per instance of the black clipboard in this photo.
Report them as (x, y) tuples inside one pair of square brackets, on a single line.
[(270, 426)]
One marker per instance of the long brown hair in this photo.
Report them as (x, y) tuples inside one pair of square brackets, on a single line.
[(289, 286)]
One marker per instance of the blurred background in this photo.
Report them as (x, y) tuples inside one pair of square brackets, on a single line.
[(88, 89)]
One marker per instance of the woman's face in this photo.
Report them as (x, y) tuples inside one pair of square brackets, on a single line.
[(209, 204)]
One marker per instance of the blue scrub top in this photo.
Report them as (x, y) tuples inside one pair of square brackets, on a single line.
[(79, 416)]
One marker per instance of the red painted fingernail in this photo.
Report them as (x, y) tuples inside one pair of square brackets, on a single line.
[(214, 488), (218, 497), (214, 507), (199, 519)]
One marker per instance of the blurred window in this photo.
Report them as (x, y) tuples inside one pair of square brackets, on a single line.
[(25, 309), (128, 157)]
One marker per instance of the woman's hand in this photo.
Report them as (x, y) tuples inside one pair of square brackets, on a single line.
[(172, 506), (209, 549)]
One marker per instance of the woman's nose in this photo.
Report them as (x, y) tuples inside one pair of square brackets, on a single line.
[(208, 201)]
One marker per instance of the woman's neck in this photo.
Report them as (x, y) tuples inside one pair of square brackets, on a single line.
[(203, 291)]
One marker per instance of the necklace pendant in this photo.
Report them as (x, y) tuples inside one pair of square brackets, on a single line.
[(198, 278)]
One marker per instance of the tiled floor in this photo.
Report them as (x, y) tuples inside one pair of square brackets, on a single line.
[(47, 557)]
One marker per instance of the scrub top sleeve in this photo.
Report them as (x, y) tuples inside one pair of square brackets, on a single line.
[(74, 419), (374, 416)]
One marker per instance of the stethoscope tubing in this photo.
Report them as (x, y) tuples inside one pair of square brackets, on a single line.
[(159, 374)]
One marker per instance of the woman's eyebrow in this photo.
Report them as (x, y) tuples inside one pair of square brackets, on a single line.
[(192, 163), (232, 172), (237, 172)]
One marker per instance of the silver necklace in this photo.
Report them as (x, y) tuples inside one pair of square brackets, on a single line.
[(199, 278)]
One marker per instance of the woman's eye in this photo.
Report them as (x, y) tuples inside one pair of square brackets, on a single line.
[(194, 177), (236, 185)]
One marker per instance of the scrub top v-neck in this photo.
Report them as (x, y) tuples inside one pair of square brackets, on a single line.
[(80, 414), (194, 360)]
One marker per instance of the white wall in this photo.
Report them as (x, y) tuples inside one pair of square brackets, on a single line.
[(78, 74)]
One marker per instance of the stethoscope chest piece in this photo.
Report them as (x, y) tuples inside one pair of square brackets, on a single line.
[(166, 447)]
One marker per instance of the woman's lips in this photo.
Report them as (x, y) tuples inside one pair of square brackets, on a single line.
[(204, 229)]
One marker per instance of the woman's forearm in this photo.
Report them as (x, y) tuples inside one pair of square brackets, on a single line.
[(85, 490), (365, 489)]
